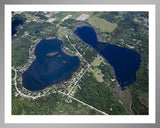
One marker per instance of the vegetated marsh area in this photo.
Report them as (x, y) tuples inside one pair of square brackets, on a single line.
[(94, 83)]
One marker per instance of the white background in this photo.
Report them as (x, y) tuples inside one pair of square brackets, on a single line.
[(80, 119)]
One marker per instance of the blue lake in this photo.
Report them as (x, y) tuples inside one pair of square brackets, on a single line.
[(51, 66), (124, 61)]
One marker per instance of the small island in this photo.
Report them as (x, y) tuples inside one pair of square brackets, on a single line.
[(92, 87), (52, 53)]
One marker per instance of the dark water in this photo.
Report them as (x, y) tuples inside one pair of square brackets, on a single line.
[(36, 31), (51, 66), (16, 21), (124, 61), (132, 13)]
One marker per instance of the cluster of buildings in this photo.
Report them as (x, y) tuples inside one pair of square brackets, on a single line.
[(142, 20)]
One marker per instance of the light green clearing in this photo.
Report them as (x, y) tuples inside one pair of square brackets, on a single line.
[(97, 62), (102, 24), (97, 74), (96, 71), (63, 31), (75, 15)]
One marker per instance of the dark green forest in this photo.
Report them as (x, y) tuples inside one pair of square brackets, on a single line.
[(20, 51), (92, 92), (134, 34), (99, 95), (53, 104)]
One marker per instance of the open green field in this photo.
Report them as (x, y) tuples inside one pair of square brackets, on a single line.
[(96, 71), (102, 24), (97, 62), (97, 74), (75, 15), (98, 86), (63, 31)]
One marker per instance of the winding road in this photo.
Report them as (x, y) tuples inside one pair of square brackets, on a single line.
[(19, 92), (35, 97)]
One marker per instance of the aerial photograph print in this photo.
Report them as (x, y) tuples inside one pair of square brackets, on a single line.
[(80, 63)]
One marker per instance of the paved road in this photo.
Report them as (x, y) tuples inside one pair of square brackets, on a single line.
[(35, 97), (84, 103), (77, 50), (78, 80), (82, 58), (19, 92)]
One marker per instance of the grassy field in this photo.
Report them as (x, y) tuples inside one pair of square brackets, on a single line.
[(96, 71), (102, 24), (97, 74), (97, 62), (75, 15), (63, 31)]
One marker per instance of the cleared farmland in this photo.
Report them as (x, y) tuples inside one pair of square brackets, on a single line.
[(102, 24)]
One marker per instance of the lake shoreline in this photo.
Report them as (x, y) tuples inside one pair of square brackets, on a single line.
[(125, 71), (66, 76)]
